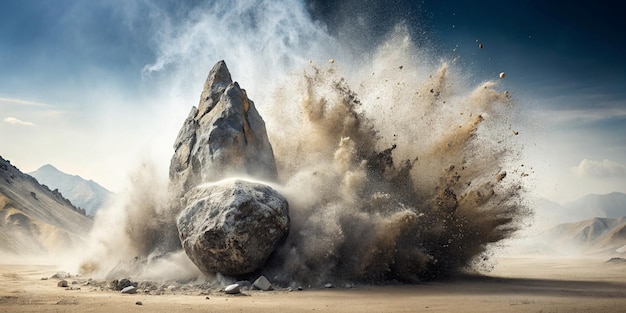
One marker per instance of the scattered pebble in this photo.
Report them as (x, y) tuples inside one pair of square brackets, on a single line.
[(62, 283), (232, 289), (129, 290), (262, 283), (60, 275), (328, 285), (616, 260), (138, 303)]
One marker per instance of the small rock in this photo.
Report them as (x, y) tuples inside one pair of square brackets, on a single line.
[(44, 278), (138, 303), (328, 285), (262, 283), (232, 289), (62, 283), (121, 284), (300, 288), (616, 260), (208, 298), (60, 275), (129, 290)]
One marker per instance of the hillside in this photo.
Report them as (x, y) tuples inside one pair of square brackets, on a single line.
[(83, 193), (35, 219), (597, 235)]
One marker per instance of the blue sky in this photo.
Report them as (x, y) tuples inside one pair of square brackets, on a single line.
[(94, 87)]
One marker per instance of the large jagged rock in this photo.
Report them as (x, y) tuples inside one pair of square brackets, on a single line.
[(233, 226), (224, 137)]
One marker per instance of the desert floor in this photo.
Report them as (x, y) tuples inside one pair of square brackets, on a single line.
[(515, 285)]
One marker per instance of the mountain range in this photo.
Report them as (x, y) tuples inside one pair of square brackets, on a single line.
[(35, 219), (611, 205), (596, 235), (83, 193), (591, 224)]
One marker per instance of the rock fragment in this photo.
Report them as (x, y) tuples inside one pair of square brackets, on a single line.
[(262, 283), (232, 289), (60, 275)]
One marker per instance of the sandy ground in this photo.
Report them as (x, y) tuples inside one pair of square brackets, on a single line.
[(515, 285)]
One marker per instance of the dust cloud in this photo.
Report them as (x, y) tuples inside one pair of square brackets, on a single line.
[(406, 177), (395, 166)]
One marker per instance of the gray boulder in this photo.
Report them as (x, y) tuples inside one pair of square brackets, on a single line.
[(232, 227), (129, 290), (224, 137)]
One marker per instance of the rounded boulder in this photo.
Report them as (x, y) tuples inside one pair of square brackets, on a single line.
[(232, 227)]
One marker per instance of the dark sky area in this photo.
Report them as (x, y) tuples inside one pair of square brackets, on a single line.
[(552, 47)]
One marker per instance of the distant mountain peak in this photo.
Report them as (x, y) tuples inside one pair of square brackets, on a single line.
[(47, 166), (83, 193)]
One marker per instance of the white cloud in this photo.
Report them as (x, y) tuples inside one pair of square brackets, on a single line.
[(16, 121), (599, 169), (24, 102), (581, 116)]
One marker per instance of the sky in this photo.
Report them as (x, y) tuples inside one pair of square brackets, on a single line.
[(96, 87)]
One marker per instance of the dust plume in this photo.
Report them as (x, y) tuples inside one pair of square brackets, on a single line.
[(405, 177), (395, 166)]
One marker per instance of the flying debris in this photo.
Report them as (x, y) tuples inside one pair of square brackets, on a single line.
[(502, 75), (480, 45), (331, 61)]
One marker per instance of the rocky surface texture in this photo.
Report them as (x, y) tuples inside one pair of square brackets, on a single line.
[(232, 227), (225, 136), (226, 226)]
